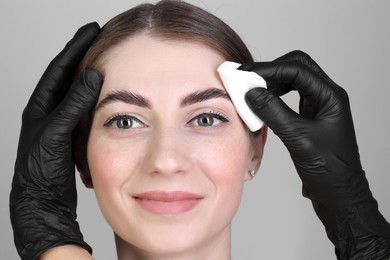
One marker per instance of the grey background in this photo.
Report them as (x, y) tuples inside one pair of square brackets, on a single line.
[(349, 39)]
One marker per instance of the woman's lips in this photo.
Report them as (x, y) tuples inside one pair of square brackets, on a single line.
[(167, 203)]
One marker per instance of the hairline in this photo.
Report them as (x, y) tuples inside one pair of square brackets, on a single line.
[(100, 60)]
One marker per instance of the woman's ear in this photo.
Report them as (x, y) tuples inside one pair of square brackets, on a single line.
[(258, 142)]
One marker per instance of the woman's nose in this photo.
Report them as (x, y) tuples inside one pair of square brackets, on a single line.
[(167, 153)]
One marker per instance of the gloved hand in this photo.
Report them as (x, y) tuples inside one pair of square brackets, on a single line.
[(322, 144), (43, 198)]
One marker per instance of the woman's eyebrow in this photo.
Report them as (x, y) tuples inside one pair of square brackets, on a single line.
[(138, 100), (124, 96), (203, 95)]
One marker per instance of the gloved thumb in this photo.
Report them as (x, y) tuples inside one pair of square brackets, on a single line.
[(272, 111)]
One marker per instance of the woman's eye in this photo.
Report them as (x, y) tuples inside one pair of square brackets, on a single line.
[(124, 122), (208, 119)]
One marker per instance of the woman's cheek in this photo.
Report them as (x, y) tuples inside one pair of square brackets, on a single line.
[(109, 160), (110, 165), (225, 157), (224, 162)]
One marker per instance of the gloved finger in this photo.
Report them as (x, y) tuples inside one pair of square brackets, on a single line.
[(304, 58), (58, 76), (279, 88), (314, 88), (305, 107), (80, 99), (272, 111), (276, 87)]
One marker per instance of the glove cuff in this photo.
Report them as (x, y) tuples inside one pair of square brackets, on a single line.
[(362, 234)]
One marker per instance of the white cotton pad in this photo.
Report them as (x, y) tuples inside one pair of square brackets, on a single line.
[(237, 83)]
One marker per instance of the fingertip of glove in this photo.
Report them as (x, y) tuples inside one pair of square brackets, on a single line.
[(92, 27), (92, 78), (246, 67)]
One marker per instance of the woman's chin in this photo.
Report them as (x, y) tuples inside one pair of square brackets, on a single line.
[(166, 246)]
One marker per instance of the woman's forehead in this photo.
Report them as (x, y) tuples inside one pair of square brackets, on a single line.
[(152, 51), (145, 62)]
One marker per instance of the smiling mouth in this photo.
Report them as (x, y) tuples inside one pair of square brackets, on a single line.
[(167, 203)]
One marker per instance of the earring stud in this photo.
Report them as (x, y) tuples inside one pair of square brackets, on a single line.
[(252, 173)]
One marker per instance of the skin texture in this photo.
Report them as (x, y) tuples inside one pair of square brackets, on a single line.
[(167, 150)]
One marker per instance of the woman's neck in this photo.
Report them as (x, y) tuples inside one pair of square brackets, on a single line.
[(217, 248)]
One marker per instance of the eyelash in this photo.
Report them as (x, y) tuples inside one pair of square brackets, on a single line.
[(210, 114), (115, 118)]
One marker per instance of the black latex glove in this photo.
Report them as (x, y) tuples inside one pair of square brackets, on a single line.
[(322, 144), (43, 198)]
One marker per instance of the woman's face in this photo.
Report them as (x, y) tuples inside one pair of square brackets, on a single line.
[(167, 151)]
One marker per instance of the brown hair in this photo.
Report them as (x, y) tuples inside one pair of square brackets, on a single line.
[(167, 20)]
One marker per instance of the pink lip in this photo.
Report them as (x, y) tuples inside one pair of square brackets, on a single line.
[(167, 203)]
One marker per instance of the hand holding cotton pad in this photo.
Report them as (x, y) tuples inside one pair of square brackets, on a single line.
[(237, 83)]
